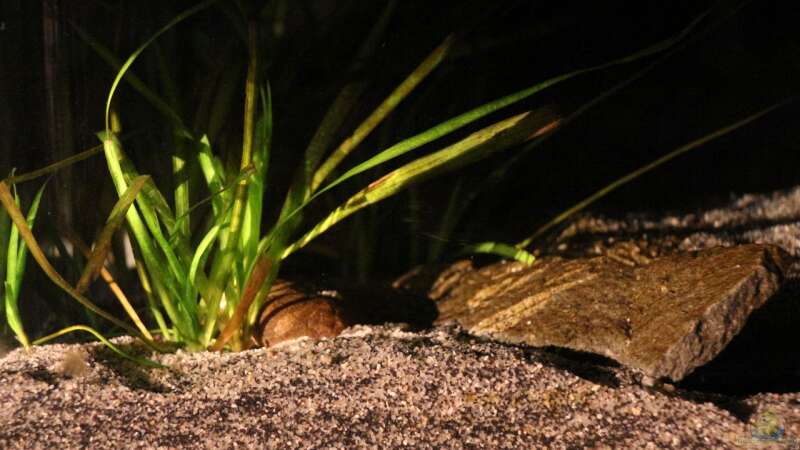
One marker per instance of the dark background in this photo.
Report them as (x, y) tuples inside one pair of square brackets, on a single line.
[(743, 57)]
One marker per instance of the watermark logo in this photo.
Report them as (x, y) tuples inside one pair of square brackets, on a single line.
[(768, 428)]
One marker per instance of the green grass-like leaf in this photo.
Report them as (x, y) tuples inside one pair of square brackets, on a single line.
[(5, 235), (125, 66), (251, 222), (229, 250), (106, 342), (55, 166), (480, 144), (500, 249), (112, 284), (451, 125), (7, 199), (103, 242), (165, 284), (647, 168), (15, 270), (387, 106)]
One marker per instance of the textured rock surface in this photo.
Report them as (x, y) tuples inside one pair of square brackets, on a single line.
[(765, 355), (371, 387), (664, 318)]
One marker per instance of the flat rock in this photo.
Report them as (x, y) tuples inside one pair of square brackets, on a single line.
[(662, 316)]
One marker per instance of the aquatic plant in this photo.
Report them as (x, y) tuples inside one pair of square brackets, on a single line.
[(207, 267)]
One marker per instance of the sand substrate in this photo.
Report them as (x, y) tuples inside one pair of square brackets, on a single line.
[(371, 387)]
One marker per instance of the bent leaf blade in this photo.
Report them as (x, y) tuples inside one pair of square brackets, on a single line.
[(103, 242)]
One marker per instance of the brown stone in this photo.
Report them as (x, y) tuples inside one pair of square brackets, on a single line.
[(292, 313), (663, 316), (300, 309)]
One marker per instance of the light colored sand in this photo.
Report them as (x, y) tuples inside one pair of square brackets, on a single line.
[(373, 386)]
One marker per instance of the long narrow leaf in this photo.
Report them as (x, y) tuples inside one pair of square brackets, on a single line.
[(166, 287), (16, 271), (30, 219), (112, 284), (178, 242), (251, 224), (480, 144), (149, 214), (245, 175), (606, 94), (177, 245), (12, 314), (335, 115), (501, 172), (112, 60), (471, 116), (254, 284), (499, 249), (55, 166), (151, 219), (19, 221), (5, 234), (214, 174), (13, 246), (180, 17), (154, 200), (10, 283), (149, 192), (180, 174), (201, 253), (103, 242), (106, 342), (225, 260), (384, 109), (647, 168), (58, 165), (152, 304)]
